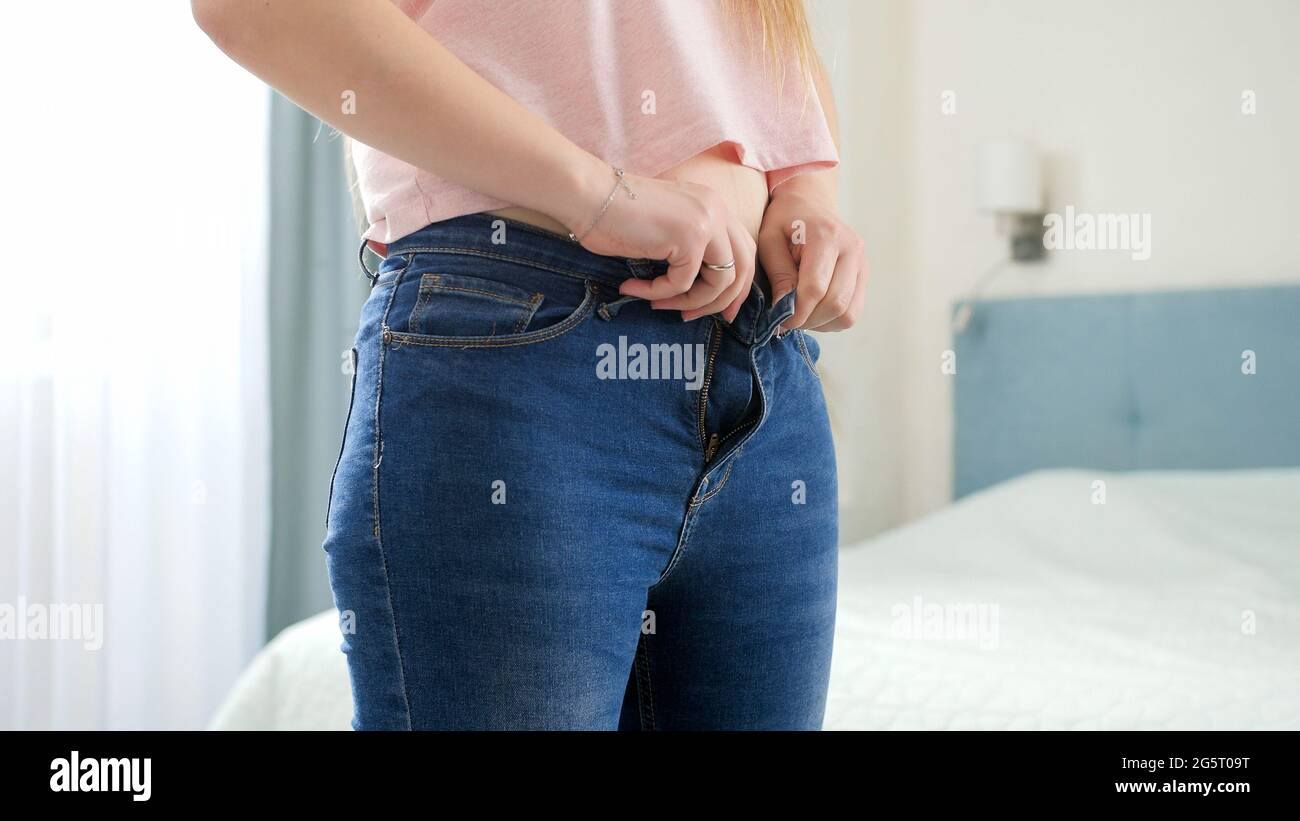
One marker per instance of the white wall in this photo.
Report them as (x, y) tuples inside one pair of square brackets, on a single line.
[(1137, 106), (866, 51)]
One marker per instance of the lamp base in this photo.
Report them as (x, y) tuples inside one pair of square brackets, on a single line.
[(1026, 232)]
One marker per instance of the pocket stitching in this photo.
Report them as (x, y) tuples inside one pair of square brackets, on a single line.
[(803, 353), (431, 282), (533, 304), (580, 313), (436, 285), (421, 302)]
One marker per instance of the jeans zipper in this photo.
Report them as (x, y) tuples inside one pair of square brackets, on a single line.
[(712, 448), (715, 342)]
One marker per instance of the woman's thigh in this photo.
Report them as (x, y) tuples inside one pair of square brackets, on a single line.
[(744, 621)]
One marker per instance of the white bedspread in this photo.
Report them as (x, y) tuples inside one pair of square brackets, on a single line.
[(298, 682), (1176, 604)]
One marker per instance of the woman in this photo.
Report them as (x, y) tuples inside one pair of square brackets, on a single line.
[(587, 479)]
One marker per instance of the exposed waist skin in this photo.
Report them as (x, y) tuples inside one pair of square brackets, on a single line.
[(744, 189)]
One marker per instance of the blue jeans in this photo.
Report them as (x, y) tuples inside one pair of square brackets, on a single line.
[(556, 508)]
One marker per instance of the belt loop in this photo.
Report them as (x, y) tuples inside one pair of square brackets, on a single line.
[(773, 317), (759, 312), (373, 276), (608, 310)]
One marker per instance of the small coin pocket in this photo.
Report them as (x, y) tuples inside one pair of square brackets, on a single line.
[(452, 305)]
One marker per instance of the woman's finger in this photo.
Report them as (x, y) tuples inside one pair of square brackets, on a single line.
[(850, 317), (779, 265), (733, 294), (708, 282), (839, 293), (730, 312), (816, 266), (683, 267)]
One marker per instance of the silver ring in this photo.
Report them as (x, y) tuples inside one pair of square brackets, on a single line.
[(725, 267)]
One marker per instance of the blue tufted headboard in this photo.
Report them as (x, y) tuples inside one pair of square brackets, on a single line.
[(1127, 382)]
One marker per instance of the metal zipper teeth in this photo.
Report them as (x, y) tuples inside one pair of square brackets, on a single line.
[(716, 443), (715, 343), (737, 429)]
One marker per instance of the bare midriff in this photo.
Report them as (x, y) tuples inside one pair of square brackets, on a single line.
[(743, 188)]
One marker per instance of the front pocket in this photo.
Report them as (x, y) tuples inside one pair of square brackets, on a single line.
[(551, 327), (466, 306)]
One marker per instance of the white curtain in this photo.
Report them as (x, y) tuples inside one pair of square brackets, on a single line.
[(133, 419)]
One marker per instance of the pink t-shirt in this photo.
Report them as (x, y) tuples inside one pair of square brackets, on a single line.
[(642, 84)]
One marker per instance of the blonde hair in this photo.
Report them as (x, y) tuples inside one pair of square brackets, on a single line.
[(783, 33)]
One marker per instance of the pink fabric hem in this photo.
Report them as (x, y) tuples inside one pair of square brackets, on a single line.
[(457, 202), (645, 86)]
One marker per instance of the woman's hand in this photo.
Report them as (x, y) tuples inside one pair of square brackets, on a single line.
[(447, 119), (805, 247), (686, 224)]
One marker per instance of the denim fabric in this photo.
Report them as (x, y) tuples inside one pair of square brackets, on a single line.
[(526, 531)]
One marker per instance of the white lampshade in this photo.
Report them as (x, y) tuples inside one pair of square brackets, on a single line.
[(1010, 180)]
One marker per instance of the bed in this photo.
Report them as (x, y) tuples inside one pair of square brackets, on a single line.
[(1173, 605), (1124, 551)]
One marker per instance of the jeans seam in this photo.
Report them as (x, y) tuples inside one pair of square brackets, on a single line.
[(645, 698), (352, 401), (731, 329), (803, 352), (379, 540), (524, 261), (721, 484), (682, 541)]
